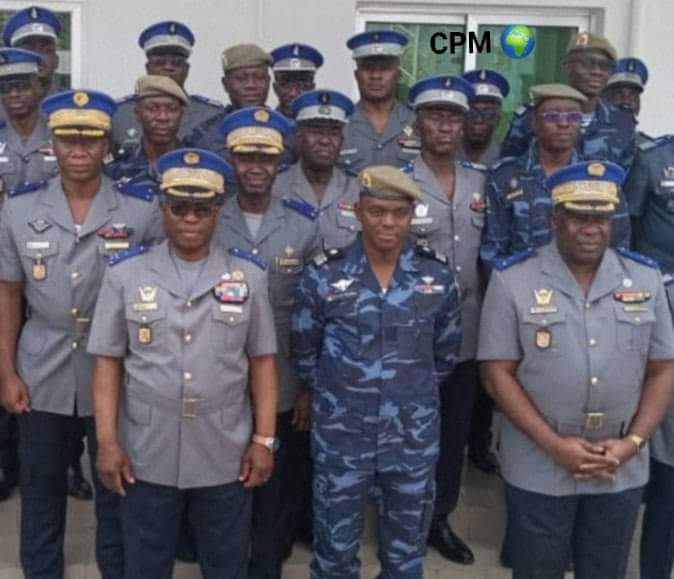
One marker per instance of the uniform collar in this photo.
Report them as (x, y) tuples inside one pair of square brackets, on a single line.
[(301, 187), (273, 219)]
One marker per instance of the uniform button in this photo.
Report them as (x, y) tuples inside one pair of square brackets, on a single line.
[(458, 268), (75, 275), (187, 376), (188, 303), (352, 227), (594, 380), (587, 305), (74, 312), (637, 319), (254, 251), (380, 147), (593, 342), (188, 338), (456, 238), (74, 345)]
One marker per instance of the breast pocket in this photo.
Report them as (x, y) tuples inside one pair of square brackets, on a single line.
[(351, 159), (664, 195), (633, 329), (348, 223), (424, 225), (39, 257), (282, 283), (229, 327), (146, 327), (544, 334)]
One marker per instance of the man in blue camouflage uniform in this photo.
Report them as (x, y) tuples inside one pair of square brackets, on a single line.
[(624, 88), (167, 46), (606, 132), (519, 207), (376, 331), (160, 103)]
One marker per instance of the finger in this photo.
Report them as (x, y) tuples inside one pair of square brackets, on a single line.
[(594, 448), (127, 473), (254, 479), (297, 417), (244, 474)]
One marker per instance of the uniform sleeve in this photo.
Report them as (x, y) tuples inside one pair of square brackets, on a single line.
[(109, 334), (261, 339), (307, 323), (447, 333), (10, 260), (499, 338), (496, 232), (621, 228), (636, 186), (518, 138), (662, 336)]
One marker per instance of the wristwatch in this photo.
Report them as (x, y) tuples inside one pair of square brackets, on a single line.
[(638, 441), (271, 443)]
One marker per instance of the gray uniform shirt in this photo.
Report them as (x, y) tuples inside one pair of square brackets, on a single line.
[(26, 161), (62, 272), (287, 241), (454, 228), (576, 355), (337, 222), (185, 418), (364, 146), (488, 157)]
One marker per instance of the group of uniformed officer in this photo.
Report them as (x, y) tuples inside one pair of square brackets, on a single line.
[(263, 319)]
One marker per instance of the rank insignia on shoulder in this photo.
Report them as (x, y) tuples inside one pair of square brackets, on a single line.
[(139, 191), (301, 207), (653, 143), (427, 251), (124, 255), (471, 165), (515, 194), (207, 101), (408, 167), (39, 225), (631, 297), (116, 231), (506, 262), (520, 110), (258, 260), (27, 187), (638, 257), (231, 292)]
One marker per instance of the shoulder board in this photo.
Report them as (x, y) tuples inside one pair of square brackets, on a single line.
[(27, 187), (521, 110), (647, 145), (258, 260), (638, 257), (328, 255), (126, 254), (207, 101), (408, 167), (126, 99), (667, 279), (302, 207), (349, 170), (137, 190), (502, 162), (283, 168), (471, 165), (426, 251), (520, 256)]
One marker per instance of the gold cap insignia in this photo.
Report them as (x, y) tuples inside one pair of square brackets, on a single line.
[(191, 158), (366, 180), (583, 39), (261, 116), (596, 169), (81, 99)]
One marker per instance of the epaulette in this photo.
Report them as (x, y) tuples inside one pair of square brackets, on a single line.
[(638, 257), (207, 101), (302, 207), (126, 99), (258, 260), (667, 279), (126, 254), (427, 251), (648, 145), (283, 168), (328, 255), (408, 168), (521, 110), (471, 165), (520, 256), (27, 187), (502, 162), (137, 190)]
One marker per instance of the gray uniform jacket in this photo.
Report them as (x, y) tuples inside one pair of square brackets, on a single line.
[(454, 229), (286, 242), (364, 146), (185, 418), (337, 222), (29, 161), (581, 360), (62, 271), (490, 155)]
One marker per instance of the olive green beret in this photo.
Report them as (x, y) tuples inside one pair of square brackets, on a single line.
[(387, 182), (155, 85), (241, 55), (540, 92), (590, 41)]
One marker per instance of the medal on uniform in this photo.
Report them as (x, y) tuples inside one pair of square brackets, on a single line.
[(231, 292), (477, 204), (39, 270), (145, 335), (631, 297), (543, 339)]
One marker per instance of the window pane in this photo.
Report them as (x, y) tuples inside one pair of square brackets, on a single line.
[(544, 65), (418, 60)]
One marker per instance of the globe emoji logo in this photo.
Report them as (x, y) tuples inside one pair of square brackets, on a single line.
[(517, 41)]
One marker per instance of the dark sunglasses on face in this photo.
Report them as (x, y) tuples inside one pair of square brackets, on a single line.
[(167, 60), (475, 115), (181, 209), (555, 117), (19, 85), (589, 62)]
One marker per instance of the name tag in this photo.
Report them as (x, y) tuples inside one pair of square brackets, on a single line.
[(38, 244), (231, 309), (667, 183), (543, 310), (144, 307), (4, 159), (288, 261), (632, 308), (422, 220), (116, 245)]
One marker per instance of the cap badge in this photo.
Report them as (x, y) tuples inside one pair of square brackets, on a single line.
[(324, 98), (191, 158), (375, 37), (34, 13), (483, 74), (482, 89), (261, 116), (630, 66), (296, 50), (325, 110), (172, 28), (596, 169), (583, 39), (448, 82), (81, 99), (366, 180)]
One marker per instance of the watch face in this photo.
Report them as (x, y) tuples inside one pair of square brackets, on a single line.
[(273, 444)]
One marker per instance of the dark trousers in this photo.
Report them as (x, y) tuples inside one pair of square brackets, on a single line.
[(657, 535), (479, 437), (219, 515), (9, 461), (597, 528), (46, 443), (277, 504), (457, 397)]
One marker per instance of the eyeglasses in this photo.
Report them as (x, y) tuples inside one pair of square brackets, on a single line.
[(589, 62), (487, 115), (18, 85), (557, 117), (167, 60), (182, 209)]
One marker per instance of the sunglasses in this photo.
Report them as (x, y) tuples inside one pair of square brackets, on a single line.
[(475, 115), (182, 209), (167, 60), (589, 62), (556, 117), (18, 85)]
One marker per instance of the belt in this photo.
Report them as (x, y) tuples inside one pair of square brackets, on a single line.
[(186, 407)]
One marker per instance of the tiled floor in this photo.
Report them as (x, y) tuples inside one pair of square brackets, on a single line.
[(479, 519)]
